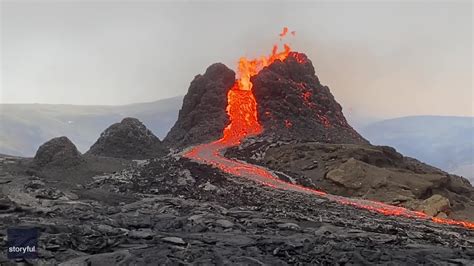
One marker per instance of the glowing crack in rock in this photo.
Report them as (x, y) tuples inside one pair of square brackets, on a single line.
[(242, 111)]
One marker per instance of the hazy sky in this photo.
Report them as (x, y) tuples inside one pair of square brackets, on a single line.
[(382, 59)]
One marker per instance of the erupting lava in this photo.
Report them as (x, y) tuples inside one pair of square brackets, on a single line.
[(242, 111), (241, 103)]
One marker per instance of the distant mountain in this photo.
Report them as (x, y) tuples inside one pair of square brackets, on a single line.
[(446, 142), (23, 127)]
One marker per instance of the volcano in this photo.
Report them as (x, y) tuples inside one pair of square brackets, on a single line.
[(278, 98), (278, 95), (284, 100), (263, 169)]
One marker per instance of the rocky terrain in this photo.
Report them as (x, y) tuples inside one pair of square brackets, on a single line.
[(307, 137), (129, 201), (363, 171), (173, 211), (58, 161)]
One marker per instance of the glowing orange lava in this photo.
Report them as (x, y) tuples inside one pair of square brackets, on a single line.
[(284, 32), (242, 111), (241, 103)]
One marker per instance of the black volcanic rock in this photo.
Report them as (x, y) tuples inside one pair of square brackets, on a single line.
[(293, 104), (203, 116), (175, 211), (60, 152), (362, 171), (129, 139)]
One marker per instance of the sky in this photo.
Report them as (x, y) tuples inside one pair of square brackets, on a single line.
[(381, 59)]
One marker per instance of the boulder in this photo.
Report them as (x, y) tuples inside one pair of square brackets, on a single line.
[(435, 205)]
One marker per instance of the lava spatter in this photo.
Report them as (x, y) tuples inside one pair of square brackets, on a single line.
[(242, 111), (241, 103)]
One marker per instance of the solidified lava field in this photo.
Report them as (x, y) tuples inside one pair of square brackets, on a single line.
[(217, 197)]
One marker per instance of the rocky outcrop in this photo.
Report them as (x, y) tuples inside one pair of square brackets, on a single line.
[(58, 152), (129, 139), (435, 205), (292, 104), (355, 178), (364, 171), (203, 116)]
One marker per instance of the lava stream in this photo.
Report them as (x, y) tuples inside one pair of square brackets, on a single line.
[(242, 111), (212, 154)]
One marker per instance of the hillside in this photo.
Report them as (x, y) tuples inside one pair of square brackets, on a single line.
[(446, 142), (23, 127)]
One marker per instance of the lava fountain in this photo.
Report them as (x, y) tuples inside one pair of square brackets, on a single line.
[(241, 103), (242, 111)]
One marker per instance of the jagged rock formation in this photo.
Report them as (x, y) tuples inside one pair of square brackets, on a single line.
[(292, 104), (203, 116), (58, 152), (129, 139)]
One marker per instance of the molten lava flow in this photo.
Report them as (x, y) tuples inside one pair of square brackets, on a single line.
[(241, 103), (242, 111)]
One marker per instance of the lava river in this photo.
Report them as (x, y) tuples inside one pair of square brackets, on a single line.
[(242, 111)]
